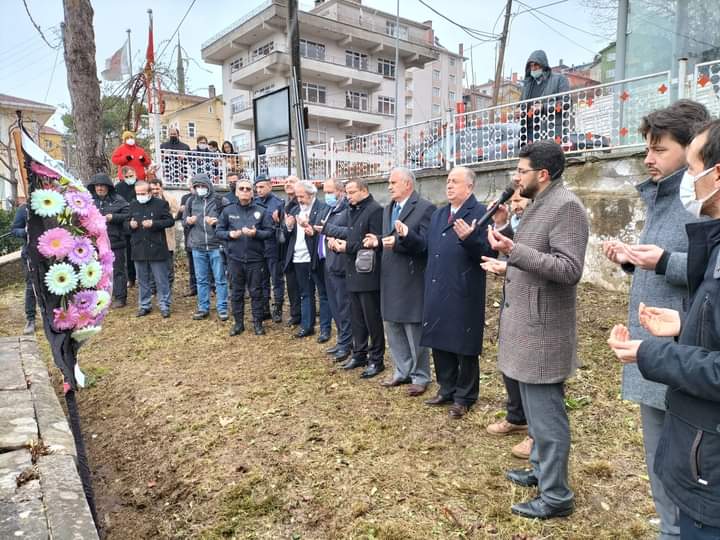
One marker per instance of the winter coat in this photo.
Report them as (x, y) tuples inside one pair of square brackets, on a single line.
[(178, 146), (688, 454), (538, 335), (665, 220), (453, 317), (133, 156), (112, 204), (336, 227), (125, 190), (149, 244), (318, 210), (363, 218), (271, 203), (402, 282), (548, 84), (201, 236), (234, 217)]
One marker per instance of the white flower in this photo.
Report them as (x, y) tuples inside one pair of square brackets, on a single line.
[(85, 333)]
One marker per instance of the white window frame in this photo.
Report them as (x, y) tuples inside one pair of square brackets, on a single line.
[(452, 97), (436, 75), (191, 130), (356, 60), (312, 49), (436, 110), (386, 67), (237, 64), (163, 132), (356, 100), (262, 51), (386, 105), (319, 91), (435, 91), (390, 30)]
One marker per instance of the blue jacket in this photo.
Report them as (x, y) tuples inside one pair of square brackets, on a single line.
[(246, 249), (688, 455), (17, 228), (271, 203)]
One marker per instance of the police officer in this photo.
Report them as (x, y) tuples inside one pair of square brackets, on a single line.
[(275, 207), (245, 226)]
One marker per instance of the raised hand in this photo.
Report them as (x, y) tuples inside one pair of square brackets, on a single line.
[(660, 322)]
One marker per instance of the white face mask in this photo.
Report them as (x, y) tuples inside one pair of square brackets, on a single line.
[(201, 191), (202, 146), (536, 73), (130, 141), (142, 199), (130, 181), (687, 193)]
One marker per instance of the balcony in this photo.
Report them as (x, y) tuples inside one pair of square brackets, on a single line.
[(259, 70), (347, 117), (334, 69), (243, 118)]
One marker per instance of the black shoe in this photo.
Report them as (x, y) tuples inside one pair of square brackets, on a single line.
[(341, 356), (438, 400), (539, 509), (165, 314), (118, 303), (267, 316), (259, 330), (143, 312), (304, 333), (277, 313), (292, 322), (223, 316), (373, 370), (199, 315), (354, 363), (332, 350), (323, 338), (237, 329), (522, 477), (29, 327)]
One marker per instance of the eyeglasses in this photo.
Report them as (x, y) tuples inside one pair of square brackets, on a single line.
[(244, 189)]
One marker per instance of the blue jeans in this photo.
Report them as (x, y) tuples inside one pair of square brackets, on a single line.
[(692, 530), (158, 270), (207, 262)]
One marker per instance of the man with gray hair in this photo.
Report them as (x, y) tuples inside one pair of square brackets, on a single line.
[(402, 279), (454, 308)]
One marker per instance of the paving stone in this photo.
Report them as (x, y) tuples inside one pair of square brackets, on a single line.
[(23, 518), (51, 420), (12, 376), (17, 419), (68, 514), (11, 465)]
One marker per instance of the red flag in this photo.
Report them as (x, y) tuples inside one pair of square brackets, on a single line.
[(150, 55)]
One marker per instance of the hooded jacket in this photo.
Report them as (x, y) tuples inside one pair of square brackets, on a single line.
[(549, 83), (112, 204), (201, 236)]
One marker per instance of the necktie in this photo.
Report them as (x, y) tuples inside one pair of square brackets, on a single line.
[(451, 215), (321, 246)]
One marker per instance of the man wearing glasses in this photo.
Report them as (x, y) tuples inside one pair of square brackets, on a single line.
[(538, 341)]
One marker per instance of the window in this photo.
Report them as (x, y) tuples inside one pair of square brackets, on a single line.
[(386, 105), (238, 104), (610, 73), (436, 109), (390, 30), (408, 103), (236, 64), (263, 90), (263, 50), (314, 93), (241, 141), (356, 100), (611, 56), (356, 60), (164, 132), (436, 74), (191, 130), (451, 97), (451, 79), (408, 85), (386, 67), (310, 49), (452, 62), (436, 91)]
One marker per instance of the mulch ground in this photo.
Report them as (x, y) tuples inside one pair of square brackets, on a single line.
[(193, 434)]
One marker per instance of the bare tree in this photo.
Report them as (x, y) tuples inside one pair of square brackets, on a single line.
[(83, 84)]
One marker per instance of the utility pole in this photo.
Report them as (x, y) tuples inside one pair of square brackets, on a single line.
[(397, 78), (501, 53), (297, 121), (129, 54), (180, 70)]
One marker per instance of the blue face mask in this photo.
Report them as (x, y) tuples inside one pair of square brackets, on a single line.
[(331, 199), (536, 73)]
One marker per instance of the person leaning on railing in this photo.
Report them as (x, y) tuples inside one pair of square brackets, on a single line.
[(173, 166)]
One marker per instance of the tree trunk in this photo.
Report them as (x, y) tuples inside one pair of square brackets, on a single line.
[(84, 87)]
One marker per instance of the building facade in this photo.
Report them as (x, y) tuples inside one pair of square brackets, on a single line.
[(51, 140), (193, 116), (348, 69)]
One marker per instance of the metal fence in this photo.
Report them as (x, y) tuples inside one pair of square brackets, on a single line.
[(705, 86)]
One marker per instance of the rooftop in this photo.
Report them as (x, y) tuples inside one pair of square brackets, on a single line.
[(13, 102)]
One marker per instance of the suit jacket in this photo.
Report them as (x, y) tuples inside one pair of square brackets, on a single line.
[(363, 218), (336, 227), (454, 309), (402, 284), (318, 210), (538, 338)]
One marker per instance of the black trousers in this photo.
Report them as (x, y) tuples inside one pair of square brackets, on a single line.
[(30, 301), (293, 292), (514, 405), (250, 275), (120, 277), (367, 324), (274, 281), (458, 376), (129, 261), (191, 271)]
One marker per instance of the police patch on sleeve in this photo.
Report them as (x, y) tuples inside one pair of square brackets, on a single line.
[(257, 215)]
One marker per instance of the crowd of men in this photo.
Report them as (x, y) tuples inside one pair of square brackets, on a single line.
[(410, 276)]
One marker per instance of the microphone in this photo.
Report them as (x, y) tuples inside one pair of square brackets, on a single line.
[(504, 196)]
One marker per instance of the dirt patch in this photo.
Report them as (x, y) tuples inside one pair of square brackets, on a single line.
[(193, 434)]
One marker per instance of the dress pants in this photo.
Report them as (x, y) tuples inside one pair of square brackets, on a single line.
[(411, 360), (273, 281), (367, 325), (158, 270), (318, 278), (549, 428), (339, 302), (293, 292), (458, 376), (120, 277), (129, 261), (514, 405), (250, 275), (652, 424)]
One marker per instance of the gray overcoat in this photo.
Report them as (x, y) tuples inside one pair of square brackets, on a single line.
[(538, 339)]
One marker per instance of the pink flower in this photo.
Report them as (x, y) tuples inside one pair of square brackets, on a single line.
[(106, 258), (79, 202), (103, 245), (55, 242), (94, 223), (82, 251), (85, 318), (105, 282), (65, 319)]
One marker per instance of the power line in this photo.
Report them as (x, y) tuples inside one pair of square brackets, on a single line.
[(176, 30), (472, 32), (561, 34), (530, 10), (52, 75), (37, 27)]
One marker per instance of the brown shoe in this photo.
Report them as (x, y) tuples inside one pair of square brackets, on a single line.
[(522, 449), (458, 411), (503, 427), (415, 390), (439, 399), (389, 383)]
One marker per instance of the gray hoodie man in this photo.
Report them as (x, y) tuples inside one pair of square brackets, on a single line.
[(202, 236), (547, 83)]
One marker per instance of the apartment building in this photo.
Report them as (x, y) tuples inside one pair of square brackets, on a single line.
[(193, 116), (348, 69)]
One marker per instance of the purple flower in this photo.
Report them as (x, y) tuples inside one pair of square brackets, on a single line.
[(85, 300), (82, 251), (79, 202)]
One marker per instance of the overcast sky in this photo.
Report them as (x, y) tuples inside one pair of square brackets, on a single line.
[(27, 63)]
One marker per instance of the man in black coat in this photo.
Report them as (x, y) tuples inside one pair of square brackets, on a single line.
[(275, 209), (402, 280), (306, 257), (148, 217), (364, 217), (245, 226), (688, 454), (175, 169), (125, 187), (454, 309), (115, 209), (19, 230)]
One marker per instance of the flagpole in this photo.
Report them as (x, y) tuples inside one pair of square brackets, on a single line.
[(154, 85), (129, 53)]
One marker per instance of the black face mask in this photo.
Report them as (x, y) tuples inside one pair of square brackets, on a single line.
[(174, 140)]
